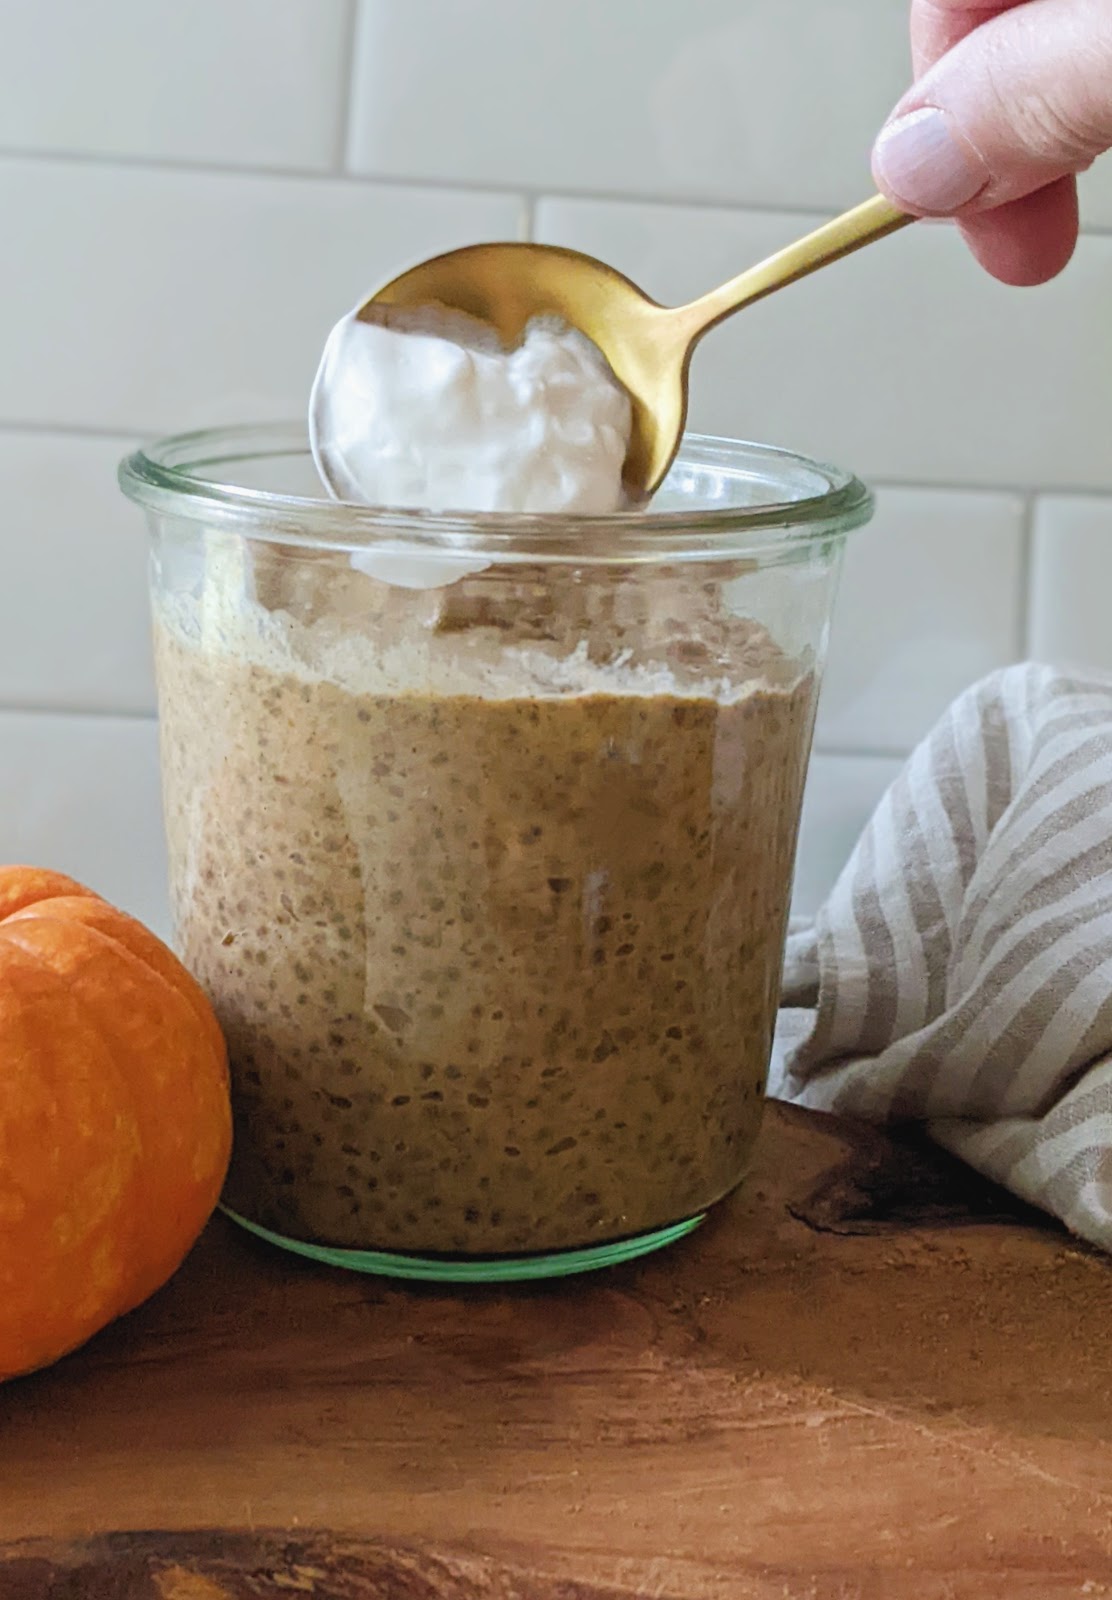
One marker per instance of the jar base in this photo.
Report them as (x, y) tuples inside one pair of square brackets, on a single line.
[(477, 1269)]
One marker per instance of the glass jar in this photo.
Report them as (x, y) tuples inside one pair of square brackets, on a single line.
[(481, 835)]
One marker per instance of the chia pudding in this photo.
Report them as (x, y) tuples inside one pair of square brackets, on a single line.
[(488, 887)]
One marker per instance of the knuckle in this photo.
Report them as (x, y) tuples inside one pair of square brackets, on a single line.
[(1055, 132), (1062, 118)]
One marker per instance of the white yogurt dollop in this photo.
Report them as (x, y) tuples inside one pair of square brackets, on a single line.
[(428, 410)]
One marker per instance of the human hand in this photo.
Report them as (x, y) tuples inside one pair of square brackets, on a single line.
[(1013, 98)]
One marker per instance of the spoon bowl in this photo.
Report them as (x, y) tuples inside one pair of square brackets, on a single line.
[(647, 345)]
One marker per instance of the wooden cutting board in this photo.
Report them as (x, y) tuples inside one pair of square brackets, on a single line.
[(868, 1376)]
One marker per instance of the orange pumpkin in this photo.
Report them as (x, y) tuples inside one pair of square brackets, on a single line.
[(115, 1125)]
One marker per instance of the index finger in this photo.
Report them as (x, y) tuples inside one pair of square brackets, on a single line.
[(938, 25)]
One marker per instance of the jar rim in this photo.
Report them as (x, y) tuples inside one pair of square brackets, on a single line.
[(808, 501)]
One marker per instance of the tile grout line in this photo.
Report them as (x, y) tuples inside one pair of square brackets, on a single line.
[(1015, 490), (527, 227), (85, 712), (122, 160), (849, 752), (76, 430), (1026, 595), (347, 90), (83, 430)]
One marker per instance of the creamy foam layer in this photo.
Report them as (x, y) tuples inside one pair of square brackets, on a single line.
[(320, 621)]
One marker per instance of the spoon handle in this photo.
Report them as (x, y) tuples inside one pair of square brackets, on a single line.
[(874, 219)]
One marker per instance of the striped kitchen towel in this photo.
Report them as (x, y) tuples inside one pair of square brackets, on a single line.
[(960, 974)]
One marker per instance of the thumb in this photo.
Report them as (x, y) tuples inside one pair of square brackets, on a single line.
[(1022, 100)]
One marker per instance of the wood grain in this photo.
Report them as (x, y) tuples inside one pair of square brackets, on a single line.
[(868, 1376)]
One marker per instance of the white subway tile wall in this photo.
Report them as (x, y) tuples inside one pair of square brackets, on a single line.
[(1071, 581), (708, 100), (80, 794), (842, 792), (1096, 195), (162, 298), (73, 600), (192, 193), (931, 600), (255, 83)]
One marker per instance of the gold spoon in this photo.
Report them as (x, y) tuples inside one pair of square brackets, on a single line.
[(647, 345)]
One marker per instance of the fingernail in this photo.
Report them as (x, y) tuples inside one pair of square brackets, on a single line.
[(926, 164)]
